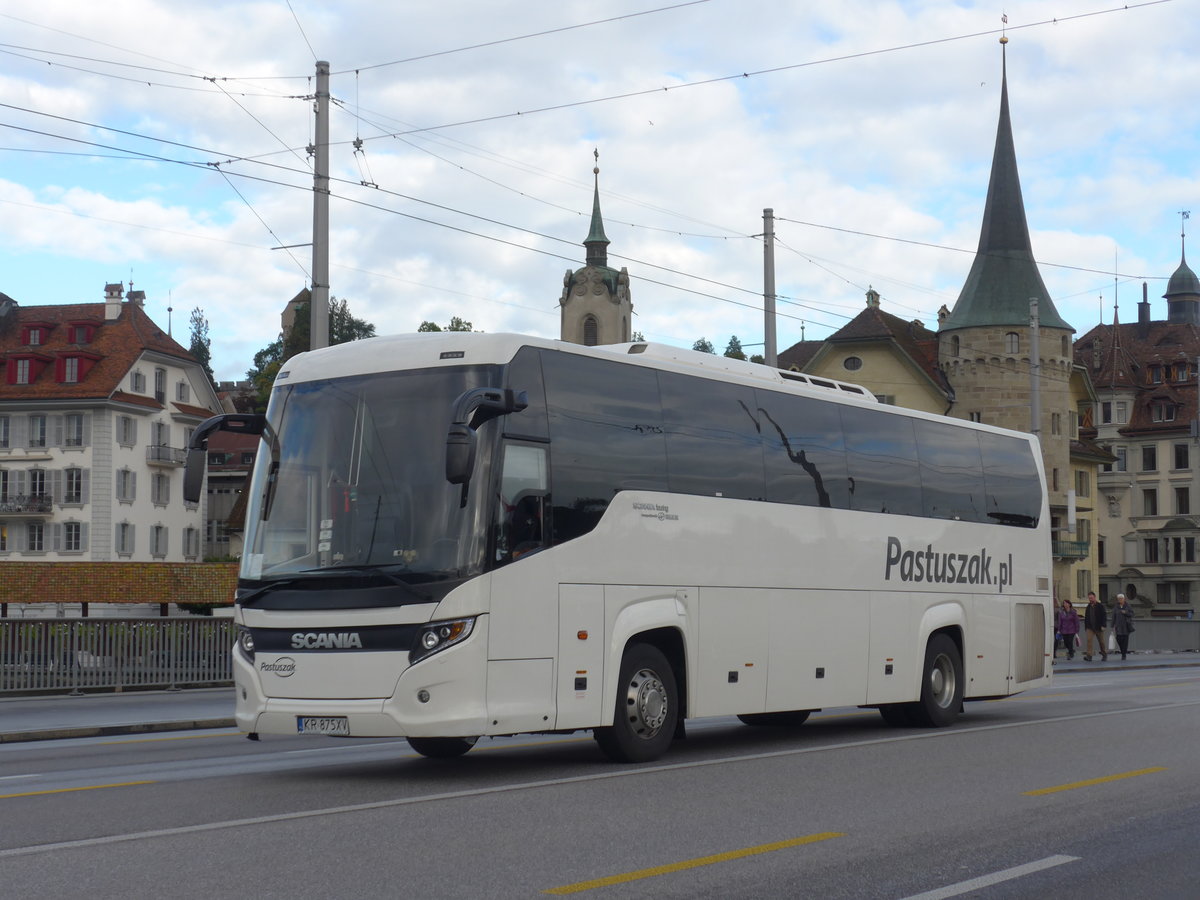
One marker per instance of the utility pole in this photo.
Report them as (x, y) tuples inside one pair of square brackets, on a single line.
[(1035, 372), (770, 357), (318, 309)]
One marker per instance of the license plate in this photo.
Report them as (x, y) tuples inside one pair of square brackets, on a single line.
[(323, 725)]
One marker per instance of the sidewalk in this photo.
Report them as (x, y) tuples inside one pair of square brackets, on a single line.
[(48, 717), (51, 716)]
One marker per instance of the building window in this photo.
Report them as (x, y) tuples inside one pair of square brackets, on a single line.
[(73, 430), (160, 434), (1150, 458), (1162, 411), (35, 537), (80, 334), (1054, 479), (1066, 351), (160, 490), (1122, 454), (1106, 412), (1012, 342), (191, 543), (1183, 504), (1073, 424), (4, 432), (1122, 412), (852, 363), (591, 331), (1150, 502), (1083, 578), (37, 431), (72, 537), (71, 370), (1150, 549), (955, 345), (4, 485), (37, 483), (247, 459), (35, 337), (73, 492), (1156, 375), (1181, 372), (183, 393), (22, 371), (1100, 554), (158, 540), (1181, 456), (125, 538), (3, 537), (1083, 483), (126, 431), (216, 459), (1055, 423), (126, 485)]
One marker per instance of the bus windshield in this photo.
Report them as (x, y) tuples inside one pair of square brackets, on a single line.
[(351, 475)]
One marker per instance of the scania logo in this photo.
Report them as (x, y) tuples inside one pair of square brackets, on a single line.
[(327, 640), (283, 667)]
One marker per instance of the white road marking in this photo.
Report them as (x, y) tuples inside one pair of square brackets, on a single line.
[(983, 881)]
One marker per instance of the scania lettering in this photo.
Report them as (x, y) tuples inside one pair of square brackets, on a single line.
[(454, 535)]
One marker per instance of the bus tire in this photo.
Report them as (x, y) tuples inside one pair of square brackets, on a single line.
[(647, 708), (941, 684), (790, 719), (441, 747)]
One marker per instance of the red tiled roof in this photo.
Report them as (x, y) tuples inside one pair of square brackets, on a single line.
[(115, 347)]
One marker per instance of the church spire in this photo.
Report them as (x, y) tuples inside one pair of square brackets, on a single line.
[(1004, 275), (596, 243)]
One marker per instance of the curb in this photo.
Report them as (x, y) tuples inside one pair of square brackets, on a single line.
[(52, 734), (1123, 667)]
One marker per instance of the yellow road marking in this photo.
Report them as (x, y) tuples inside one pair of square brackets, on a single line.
[(580, 886), (1091, 781), (90, 787), (1165, 684)]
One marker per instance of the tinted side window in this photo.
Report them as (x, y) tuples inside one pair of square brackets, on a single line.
[(881, 459), (951, 472), (1011, 480), (804, 452), (525, 374), (606, 435), (713, 444)]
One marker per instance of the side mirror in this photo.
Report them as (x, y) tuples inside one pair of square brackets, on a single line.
[(460, 453), (197, 456)]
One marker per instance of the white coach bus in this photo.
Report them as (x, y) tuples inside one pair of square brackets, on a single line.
[(454, 535)]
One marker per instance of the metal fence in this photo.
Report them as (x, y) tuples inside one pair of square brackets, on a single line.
[(79, 654), (1165, 634)]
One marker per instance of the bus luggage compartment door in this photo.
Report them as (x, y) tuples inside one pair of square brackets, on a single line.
[(581, 645)]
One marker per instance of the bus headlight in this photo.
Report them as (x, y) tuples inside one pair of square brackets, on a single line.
[(245, 640), (438, 636)]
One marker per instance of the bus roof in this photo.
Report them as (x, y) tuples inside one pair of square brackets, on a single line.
[(425, 350)]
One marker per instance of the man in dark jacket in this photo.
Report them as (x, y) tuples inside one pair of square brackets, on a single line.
[(1095, 617)]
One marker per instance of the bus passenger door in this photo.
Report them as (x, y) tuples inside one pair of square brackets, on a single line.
[(581, 645)]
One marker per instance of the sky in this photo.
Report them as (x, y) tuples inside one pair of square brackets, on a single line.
[(163, 143)]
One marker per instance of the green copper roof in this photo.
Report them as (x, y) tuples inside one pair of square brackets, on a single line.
[(1184, 282), (1004, 275)]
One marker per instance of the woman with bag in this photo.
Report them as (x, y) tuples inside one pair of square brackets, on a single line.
[(1122, 624), (1068, 626)]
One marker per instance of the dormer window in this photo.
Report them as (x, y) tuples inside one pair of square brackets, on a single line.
[(72, 367), (35, 337), (1162, 411), (34, 334), (25, 368), (81, 332)]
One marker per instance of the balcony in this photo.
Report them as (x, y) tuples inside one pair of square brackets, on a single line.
[(158, 455), (36, 506), (1069, 549)]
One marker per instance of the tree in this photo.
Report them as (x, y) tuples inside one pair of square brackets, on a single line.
[(734, 348), (704, 345), (456, 324), (343, 328), (201, 345)]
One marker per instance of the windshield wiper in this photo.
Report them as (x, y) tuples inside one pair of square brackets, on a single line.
[(265, 589), (368, 572)]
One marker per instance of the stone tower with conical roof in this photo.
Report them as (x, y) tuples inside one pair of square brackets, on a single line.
[(984, 342), (1183, 291), (596, 304)]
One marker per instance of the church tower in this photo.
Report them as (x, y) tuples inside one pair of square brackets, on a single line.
[(984, 342), (596, 304)]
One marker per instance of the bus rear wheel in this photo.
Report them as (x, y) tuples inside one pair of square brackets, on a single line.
[(647, 708), (791, 719), (941, 685), (441, 747)]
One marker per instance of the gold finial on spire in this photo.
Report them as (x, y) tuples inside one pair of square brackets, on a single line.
[(596, 153), (1003, 28)]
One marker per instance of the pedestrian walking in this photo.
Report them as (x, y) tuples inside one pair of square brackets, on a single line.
[(1095, 618), (1122, 623), (1068, 626)]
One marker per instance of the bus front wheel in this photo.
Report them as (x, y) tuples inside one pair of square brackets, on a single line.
[(441, 747), (941, 684), (647, 708)]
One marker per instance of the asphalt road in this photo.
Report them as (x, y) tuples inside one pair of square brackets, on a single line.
[(1090, 788)]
